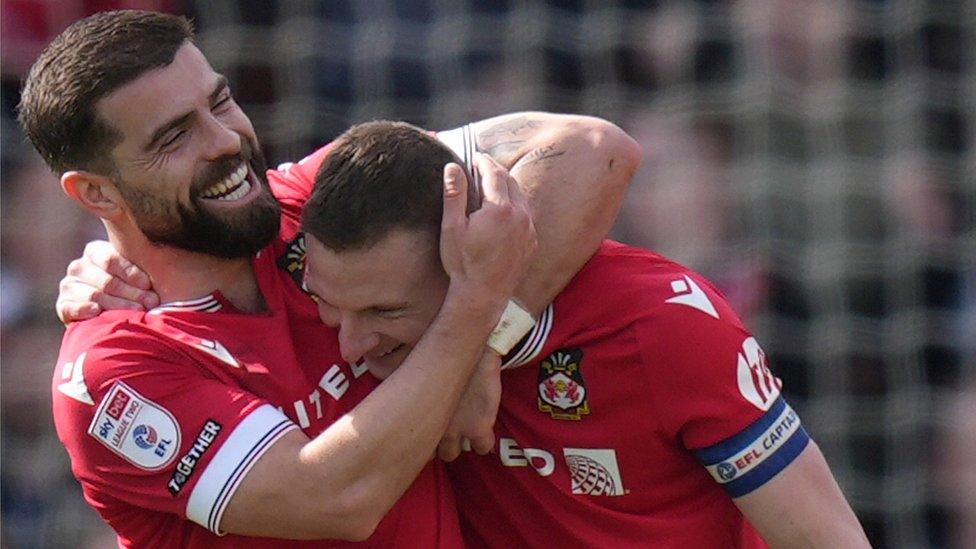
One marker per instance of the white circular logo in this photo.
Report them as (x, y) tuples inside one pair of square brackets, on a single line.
[(590, 477), (756, 383)]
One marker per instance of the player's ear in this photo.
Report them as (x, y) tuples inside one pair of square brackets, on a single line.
[(96, 193)]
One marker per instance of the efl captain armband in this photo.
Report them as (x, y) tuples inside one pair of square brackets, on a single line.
[(514, 324), (759, 452)]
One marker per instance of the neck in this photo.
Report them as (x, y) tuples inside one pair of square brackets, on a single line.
[(179, 275)]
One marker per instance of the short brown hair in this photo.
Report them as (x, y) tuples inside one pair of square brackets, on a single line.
[(379, 176), (90, 59)]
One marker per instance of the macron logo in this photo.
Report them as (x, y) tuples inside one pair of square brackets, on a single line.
[(691, 294), (216, 349), (75, 386)]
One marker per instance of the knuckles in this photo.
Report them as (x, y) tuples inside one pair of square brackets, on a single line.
[(113, 264), (91, 248), (449, 449), (113, 286), (64, 286), (75, 267), (96, 295)]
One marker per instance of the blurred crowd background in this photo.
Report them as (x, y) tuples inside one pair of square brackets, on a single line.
[(815, 158)]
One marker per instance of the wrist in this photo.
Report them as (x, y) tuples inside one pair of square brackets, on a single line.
[(476, 305), (513, 325), (477, 297)]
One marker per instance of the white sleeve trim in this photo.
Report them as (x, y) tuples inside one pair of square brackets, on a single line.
[(532, 344), (462, 142), (243, 448)]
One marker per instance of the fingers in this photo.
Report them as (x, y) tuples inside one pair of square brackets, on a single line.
[(110, 303), (483, 444), (104, 256), (97, 287), (81, 302), (87, 280), (70, 311), (494, 179), (449, 448), (103, 268), (455, 196), (89, 287), (150, 300), (515, 194)]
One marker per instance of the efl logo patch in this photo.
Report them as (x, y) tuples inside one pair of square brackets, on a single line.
[(136, 428), (293, 260), (562, 391), (594, 472)]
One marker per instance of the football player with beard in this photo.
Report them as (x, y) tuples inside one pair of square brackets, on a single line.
[(226, 416)]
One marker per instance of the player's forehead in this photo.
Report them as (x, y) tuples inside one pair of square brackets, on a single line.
[(138, 107), (344, 279), (392, 270)]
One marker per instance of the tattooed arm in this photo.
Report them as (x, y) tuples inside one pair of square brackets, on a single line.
[(574, 170)]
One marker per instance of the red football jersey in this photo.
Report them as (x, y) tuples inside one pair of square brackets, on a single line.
[(639, 397), (164, 412)]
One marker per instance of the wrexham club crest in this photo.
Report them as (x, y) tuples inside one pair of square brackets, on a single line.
[(293, 260), (562, 391)]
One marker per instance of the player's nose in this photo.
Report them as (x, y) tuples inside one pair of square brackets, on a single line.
[(355, 342), (224, 140)]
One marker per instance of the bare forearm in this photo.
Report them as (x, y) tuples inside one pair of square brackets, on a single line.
[(341, 483), (803, 507), (378, 449)]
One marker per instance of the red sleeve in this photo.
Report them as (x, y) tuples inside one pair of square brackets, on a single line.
[(146, 426), (694, 340), (714, 389), (292, 183)]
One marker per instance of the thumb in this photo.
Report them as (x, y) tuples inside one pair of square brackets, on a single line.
[(483, 444), (455, 196), (449, 448)]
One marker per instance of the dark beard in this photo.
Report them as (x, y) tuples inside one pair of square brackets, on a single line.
[(229, 235)]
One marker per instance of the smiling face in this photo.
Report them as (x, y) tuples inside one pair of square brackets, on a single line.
[(381, 298), (188, 164)]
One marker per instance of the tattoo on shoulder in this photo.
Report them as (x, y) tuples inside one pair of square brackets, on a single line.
[(502, 141), (508, 128), (502, 150), (540, 154)]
